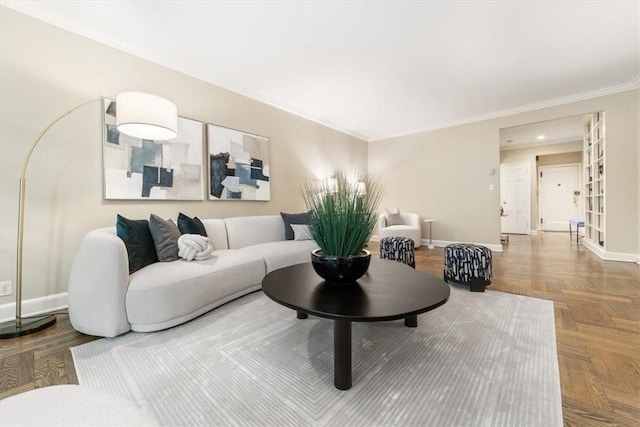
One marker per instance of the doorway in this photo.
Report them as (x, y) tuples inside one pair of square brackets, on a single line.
[(559, 197), (515, 198)]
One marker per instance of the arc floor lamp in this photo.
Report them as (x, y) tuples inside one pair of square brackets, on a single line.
[(138, 114)]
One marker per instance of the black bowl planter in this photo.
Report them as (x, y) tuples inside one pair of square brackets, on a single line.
[(340, 270)]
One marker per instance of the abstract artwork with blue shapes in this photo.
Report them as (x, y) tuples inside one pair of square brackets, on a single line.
[(141, 169), (238, 165)]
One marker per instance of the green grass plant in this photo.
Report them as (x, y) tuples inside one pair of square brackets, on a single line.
[(342, 217)]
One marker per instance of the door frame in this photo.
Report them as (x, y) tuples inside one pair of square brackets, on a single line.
[(580, 187), (527, 185)]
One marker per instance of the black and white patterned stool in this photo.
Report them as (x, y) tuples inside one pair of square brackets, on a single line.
[(401, 249), (468, 264)]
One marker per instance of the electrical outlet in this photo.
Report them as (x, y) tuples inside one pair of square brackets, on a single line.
[(5, 288)]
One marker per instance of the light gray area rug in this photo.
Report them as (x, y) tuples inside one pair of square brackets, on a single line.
[(482, 359)]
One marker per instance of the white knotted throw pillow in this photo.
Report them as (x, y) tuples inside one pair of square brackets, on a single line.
[(194, 247)]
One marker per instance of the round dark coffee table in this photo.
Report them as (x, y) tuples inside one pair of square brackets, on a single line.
[(388, 291)]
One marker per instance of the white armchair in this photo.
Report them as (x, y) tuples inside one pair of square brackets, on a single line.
[(410, 229)]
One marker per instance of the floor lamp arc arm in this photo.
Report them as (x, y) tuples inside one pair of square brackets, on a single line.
[(45, 130), (148, 117), (21, 203)]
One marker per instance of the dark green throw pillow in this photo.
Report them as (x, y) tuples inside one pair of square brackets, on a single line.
[(191, 225), (299, 218), (137, 238), (165, 234)]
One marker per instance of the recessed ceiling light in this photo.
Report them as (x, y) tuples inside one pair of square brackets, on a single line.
[(540, 137)]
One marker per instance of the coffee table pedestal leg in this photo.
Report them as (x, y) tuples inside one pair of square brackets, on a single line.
[(411, 322), (342, 354)]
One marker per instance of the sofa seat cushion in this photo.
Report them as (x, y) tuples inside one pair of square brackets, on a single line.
[(402, 231), (399, 228), (283, 254), (165, 294)]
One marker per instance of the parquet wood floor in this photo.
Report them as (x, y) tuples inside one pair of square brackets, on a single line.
[(597, 310)]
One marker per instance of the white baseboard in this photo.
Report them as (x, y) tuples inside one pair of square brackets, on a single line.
[(443, 243), (611, 256), (534, 232), (34, 306)]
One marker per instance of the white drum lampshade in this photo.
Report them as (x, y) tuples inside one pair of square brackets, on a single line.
[(146, 116)]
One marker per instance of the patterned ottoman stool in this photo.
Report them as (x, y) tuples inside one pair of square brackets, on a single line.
[(401, 249), (468, 264)]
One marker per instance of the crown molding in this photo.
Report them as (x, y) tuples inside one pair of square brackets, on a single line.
[(546, 143), (25, 9), (256, 96), (610, 90)]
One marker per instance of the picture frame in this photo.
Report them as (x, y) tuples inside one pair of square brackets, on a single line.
[(239, 167), (140, 169)]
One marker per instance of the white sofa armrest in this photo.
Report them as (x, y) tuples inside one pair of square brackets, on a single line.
[(98, 284), (382, 223)]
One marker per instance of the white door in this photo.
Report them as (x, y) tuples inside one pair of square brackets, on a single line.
[(515, 198), (558, 199)]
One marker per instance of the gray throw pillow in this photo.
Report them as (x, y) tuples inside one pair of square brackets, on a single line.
[(165, 235), (393, 218), (288, 219)]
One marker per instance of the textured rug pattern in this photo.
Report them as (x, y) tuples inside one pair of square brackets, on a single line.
[(482, 359)]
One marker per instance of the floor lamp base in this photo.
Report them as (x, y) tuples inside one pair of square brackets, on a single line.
[(17, 328)]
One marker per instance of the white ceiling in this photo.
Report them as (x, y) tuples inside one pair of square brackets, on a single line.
[(376, 68)]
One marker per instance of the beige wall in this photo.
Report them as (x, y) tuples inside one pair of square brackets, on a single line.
[(443, 173), (46, 71), (555, 154), (560, 158)]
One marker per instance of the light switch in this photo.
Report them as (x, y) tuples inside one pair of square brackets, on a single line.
[(491, 187)]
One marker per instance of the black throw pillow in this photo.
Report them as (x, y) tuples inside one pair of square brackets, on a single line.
[(299, 218), (191, 225), (137, 238)]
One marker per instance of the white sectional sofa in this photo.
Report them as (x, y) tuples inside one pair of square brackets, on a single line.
[(105, 300)]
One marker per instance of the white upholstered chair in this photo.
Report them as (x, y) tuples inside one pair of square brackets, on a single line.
[(410, 229)]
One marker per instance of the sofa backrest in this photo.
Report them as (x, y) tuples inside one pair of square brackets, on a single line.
[(409, 218), (217, 233), (245, 231), (238, 232)]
